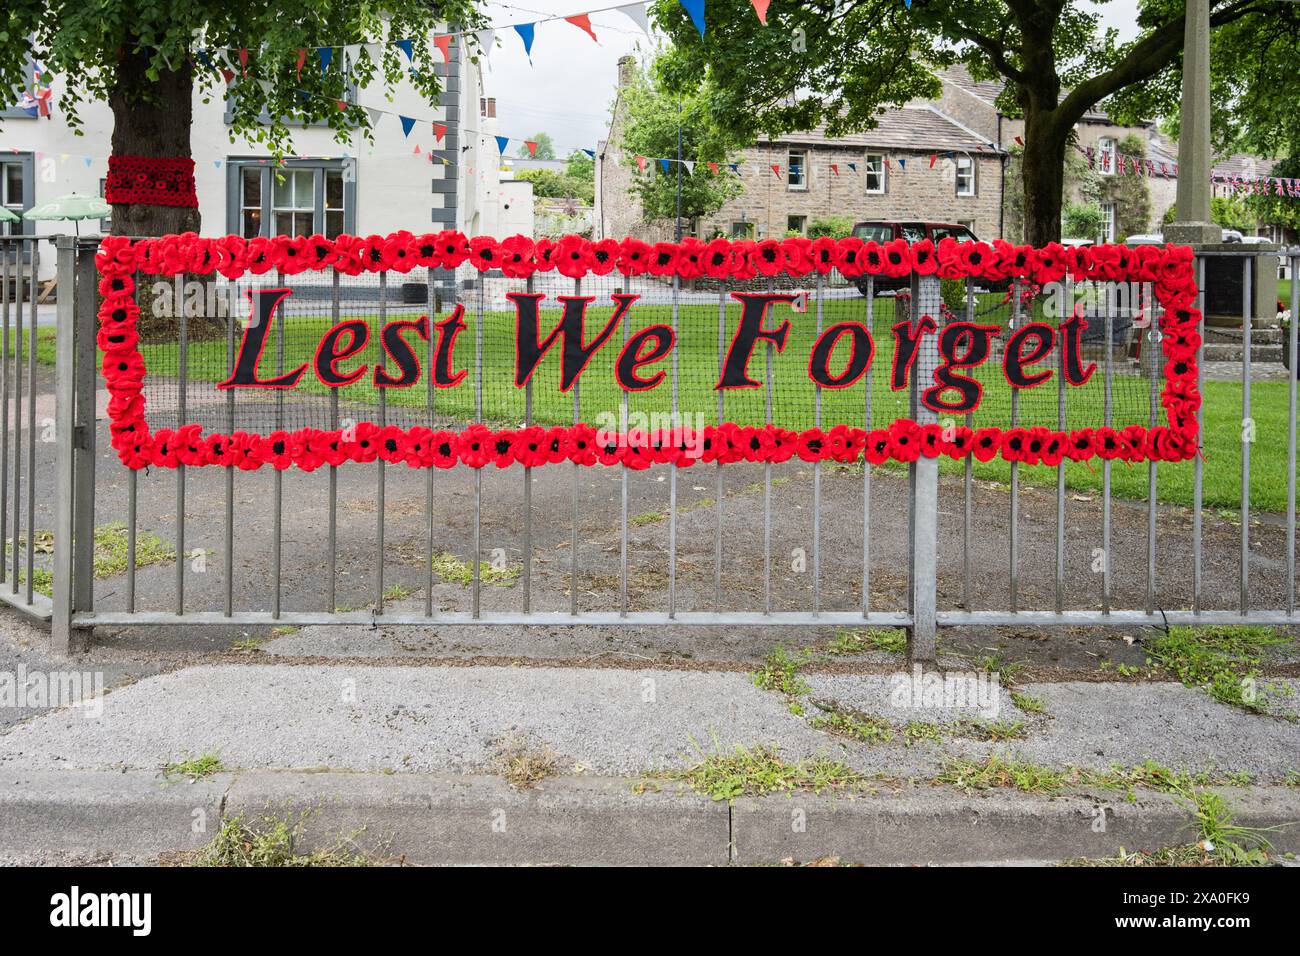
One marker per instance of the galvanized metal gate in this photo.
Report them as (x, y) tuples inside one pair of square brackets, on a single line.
[(66, 482)]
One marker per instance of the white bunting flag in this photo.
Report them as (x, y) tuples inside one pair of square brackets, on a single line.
[(636, 13), (486, 40)]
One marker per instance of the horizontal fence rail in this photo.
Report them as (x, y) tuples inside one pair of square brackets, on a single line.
[(766, 541)]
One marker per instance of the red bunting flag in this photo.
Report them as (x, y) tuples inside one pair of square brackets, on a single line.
[(417, 149), (302, 58), (583, 23), (228, 74), (776, 170), (532, 147), (713, 168), (342, 105), (443, 43), (1019, 141), (641, 163), (243, 61), (835, 168), (933, 157), (439, 131), (760, 7)]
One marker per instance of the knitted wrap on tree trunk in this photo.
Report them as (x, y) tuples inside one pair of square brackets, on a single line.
[(151, 181)]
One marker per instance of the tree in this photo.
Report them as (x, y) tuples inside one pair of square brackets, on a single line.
[(838, 63), (548, 184), (580, 166), (147, 57), (652, 121), (545, 147)]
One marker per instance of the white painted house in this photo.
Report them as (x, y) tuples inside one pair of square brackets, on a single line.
[(331, 187)]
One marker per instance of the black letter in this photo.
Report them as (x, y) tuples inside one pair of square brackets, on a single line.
[(735, 369), (328, 353), (266, 302), (977, 351), (907, 342), (1013, 362), (575, 354), (859, 359), (396, 348), (631, 359)]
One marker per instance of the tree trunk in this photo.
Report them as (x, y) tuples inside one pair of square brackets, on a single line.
[(1043, 173), (152, 118)]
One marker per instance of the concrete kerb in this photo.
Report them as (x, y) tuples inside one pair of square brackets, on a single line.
[(51, 816)]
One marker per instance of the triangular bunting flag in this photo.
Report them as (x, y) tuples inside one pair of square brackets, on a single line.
[(641, 163), (302, 58), (243, 61), (532, 147), (713, 168), (902, 164), (439, 131), (591, 153), (342, 105), (525, 31), (776, 170), (228, 74), (734, 167), (664, 164), (502, 143), (407, 47), (374, 115), (760, 7), (408, 124), (835, 168), (583, 23), (853, 166), (933, 157), (690, 166), (90, 159), (636, 13), (443, 43), (216, 164), (695, 10), (417, 149), (486, 41), (326, 54)]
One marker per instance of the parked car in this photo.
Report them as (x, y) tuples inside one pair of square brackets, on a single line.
[(1156, 239), (883, 230)]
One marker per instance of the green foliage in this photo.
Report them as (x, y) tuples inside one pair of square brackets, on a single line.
[(1224, 660), (548, 184), (1231, 212), (837, 227), (271, 841), (129, 48), (545, 147), (780, 672), (761, 771), (1280, 210), (1081, 221), (651, 130)]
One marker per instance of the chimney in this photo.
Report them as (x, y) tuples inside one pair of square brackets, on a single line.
[(626, 70), (491, 107)]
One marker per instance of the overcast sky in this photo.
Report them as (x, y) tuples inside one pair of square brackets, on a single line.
[(567, 89)]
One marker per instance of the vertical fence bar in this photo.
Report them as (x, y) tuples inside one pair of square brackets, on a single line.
[(528, 489), (65, 444), (332, 532), (228, 533), (672, 474), (1197, 463), (1291, 436), (278, 477), (575, 491), (923, 509), (1059, 594), (817, 469), (132, 511), (1013, 574), (18, 422), (431, 305), (1154, 365), (480, 333), (1108, 381), (182, 385), (31, 428), (1247, 427), (717, 468), (380, 483), (866, 465), (767, 480), (86, 370), (622, 480), (17, 247), (967, 482)]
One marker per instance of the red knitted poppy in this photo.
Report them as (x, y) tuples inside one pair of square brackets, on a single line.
[(151, 181)]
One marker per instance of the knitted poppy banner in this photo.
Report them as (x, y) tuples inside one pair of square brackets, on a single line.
[(440, 351)]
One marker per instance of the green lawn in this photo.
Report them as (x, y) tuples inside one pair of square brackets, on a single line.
[(794, 396)]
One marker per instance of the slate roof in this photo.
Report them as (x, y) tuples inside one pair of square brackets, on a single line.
[(989, 90), (915, 127)]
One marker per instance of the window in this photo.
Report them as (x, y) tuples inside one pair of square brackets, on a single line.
[(797, 171), (742, 230), (1106, 156), (960, 232), (873, 232), (874, 173), (796, 224), (965, 176), (17, 181), (105, 224), (299, 199), (1108, 222)]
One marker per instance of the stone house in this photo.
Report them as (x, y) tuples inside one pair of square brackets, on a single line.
[(916, 164)]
